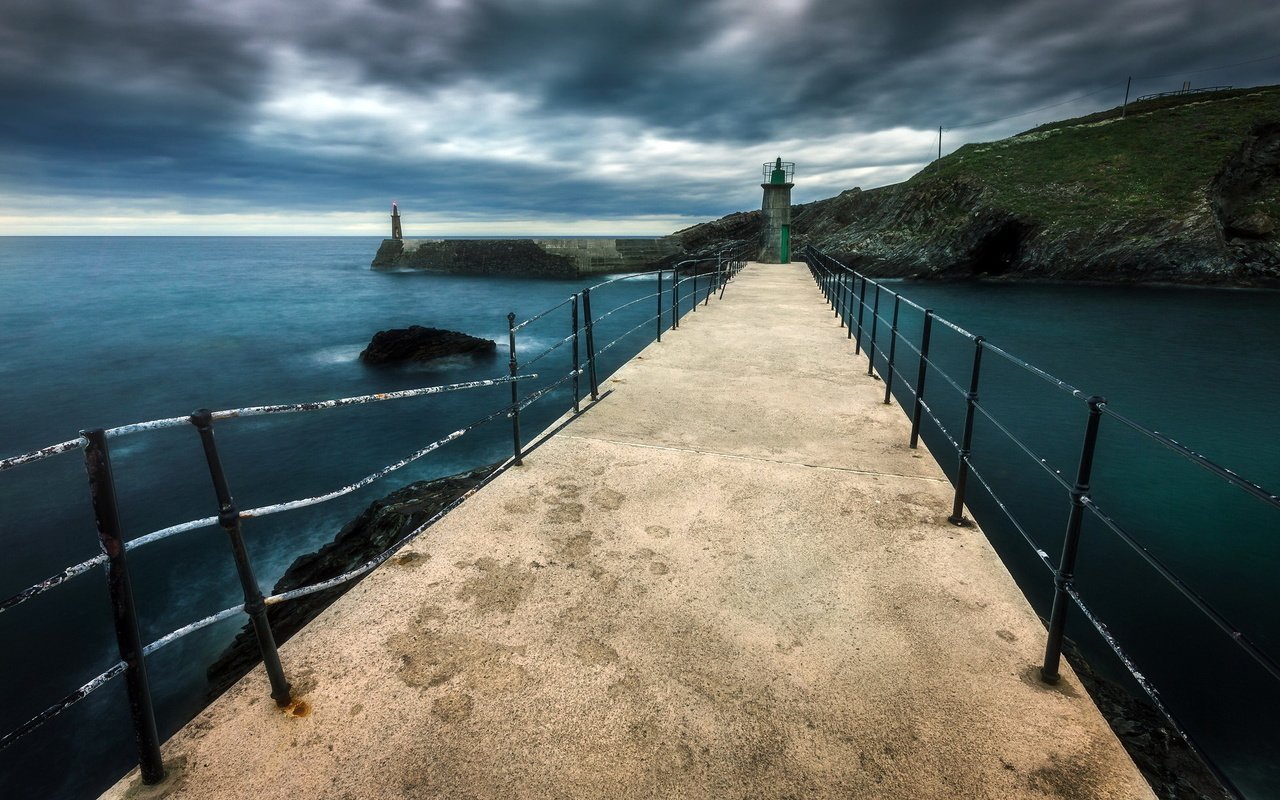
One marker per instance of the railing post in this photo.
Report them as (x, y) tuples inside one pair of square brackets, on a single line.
[(102, 494), (966, 439), (875, 326), (848, 306), (659, 305), (841, 308), (862, 306), (591, 344), (229, 519), (695, 287), (893, 348), (924, 362), (515, 390), (711, 288), (573, 309), (1070, 545), (675, 297)]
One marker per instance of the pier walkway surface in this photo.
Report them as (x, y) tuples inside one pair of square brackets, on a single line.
[(728, 578)]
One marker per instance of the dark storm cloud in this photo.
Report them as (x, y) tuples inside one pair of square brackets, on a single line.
[(144, 98)]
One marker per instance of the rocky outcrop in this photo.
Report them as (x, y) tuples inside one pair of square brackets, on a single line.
[(417, 343), (1245, 198), (743, 226), (954, 229), (382, 524), (542, 258)]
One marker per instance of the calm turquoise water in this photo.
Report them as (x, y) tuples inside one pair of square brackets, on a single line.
[(106, 331)]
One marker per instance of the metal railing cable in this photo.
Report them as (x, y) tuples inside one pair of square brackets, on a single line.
[(545, 390), (1035, 459), (248, 411), (114, 547), (625, 305), (93, 685), (262, 511), (836, 280), (1199, 460), (628, 277), (647, 322), (1147, 688), (546, 312), (1040, 552), (1191, 595), (546, 352), (1039, 373), (924, 404)]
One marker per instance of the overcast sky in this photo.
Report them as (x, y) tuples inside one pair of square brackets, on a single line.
[(545, 116)]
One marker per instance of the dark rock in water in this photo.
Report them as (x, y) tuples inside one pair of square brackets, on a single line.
[(417, 343), (382, 524), (1164, 759)]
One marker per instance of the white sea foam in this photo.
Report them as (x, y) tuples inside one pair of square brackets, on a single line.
[(338, 354)]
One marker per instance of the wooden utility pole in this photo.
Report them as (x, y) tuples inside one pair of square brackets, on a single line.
[(939, 141), (1124, 108)]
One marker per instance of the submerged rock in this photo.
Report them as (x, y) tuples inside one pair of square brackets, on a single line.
[(417, 343), (382, 524)]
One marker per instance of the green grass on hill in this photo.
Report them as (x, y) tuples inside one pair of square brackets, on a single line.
[(1154, 164)]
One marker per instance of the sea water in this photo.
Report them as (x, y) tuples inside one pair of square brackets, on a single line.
[(106, 331)]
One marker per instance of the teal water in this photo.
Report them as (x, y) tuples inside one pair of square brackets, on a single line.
[(106, 331)]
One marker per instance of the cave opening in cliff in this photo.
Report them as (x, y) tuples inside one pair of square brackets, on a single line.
[(998, 251)]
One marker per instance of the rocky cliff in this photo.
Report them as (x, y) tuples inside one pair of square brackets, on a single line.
[(1183, 190)]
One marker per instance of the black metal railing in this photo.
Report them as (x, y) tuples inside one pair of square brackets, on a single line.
[(685, 285), (846, 291)]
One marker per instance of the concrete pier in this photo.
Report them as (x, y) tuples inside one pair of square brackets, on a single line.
[(728, 578)]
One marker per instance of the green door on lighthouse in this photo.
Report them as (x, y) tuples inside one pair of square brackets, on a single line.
[(786, 244)]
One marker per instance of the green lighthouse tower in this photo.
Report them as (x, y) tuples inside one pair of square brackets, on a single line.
[(775, 245)]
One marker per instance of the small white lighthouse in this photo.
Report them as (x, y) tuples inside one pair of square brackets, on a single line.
[(776, 245)]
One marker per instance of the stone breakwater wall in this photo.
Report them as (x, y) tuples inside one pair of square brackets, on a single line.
[(552, 258)]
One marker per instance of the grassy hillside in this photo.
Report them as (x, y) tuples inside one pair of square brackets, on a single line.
[(1157, 162)]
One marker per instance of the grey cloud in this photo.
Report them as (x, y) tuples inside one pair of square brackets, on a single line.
[(142, 96)]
